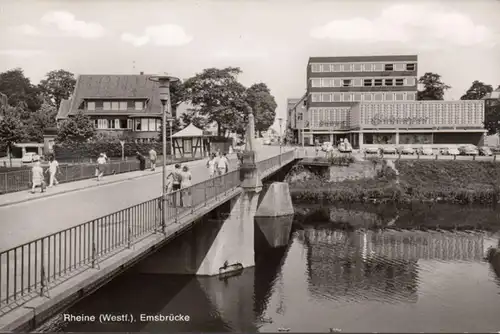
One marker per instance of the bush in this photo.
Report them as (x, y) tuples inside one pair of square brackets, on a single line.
[(78, 150), (341, 160)]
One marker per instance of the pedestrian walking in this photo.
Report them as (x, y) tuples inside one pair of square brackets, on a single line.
[(152, 158), (37, 179), (223, 164), (211, 165), (142, 160), (53, 170), (176, 184), (101, 166), (186, 184)]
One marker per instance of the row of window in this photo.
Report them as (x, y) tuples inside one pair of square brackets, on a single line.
[(363, 82), (363, 67), (115, 105), (365, 97), (138, 124)]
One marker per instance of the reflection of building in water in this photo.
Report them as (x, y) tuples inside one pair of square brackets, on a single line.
[(380, 265), (406, 245)]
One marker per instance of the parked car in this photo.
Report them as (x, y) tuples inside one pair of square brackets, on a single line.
[(450, 151), (372, 150), (389, 150), (407, 150), (485, 150), (267, 141), (426, 150), (28, 157), (327, 146), (468, 150)]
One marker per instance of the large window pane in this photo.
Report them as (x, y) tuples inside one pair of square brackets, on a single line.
[(115, 105), (106, 105), (152, 124), (144, 124)]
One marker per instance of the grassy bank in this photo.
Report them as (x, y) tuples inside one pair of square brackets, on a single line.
[(461, 182)]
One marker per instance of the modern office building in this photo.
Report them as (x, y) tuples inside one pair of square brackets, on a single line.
[(372, 100)]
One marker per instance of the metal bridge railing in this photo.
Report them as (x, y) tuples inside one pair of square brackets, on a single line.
[(19, 180), (28, 270)]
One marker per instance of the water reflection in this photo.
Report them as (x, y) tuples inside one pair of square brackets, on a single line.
[(357, 269)]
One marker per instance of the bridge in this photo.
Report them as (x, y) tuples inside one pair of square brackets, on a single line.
[(40, 275)]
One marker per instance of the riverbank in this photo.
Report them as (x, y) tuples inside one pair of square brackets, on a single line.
[(402, 181)]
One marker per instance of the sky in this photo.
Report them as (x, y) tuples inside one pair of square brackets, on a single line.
[(270, 40)]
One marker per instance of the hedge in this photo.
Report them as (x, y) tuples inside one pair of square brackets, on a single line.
[(78, 150)]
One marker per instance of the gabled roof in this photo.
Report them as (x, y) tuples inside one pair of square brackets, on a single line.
[(99, 86), (189, 131), (63, 111)]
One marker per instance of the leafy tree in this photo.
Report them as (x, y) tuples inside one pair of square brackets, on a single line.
[(19, 89), (434, 88), (178, 95), (193, 116), (218, 95), (263, 104), (477, 91), (492, 119), (78, 128), (39, 121), (11, 127), (57, 85)]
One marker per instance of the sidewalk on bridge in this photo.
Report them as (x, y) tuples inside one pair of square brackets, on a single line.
[(62, 188)]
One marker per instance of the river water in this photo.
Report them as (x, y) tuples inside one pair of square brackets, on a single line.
[(353, 269)]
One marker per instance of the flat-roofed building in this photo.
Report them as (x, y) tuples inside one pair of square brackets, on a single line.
[(371, 100)]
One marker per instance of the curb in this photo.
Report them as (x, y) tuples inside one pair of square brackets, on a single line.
[(76, 189)]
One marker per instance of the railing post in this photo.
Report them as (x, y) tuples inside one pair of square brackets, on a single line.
[(94, 248), (42, 267), (7, 180), (129, 228)]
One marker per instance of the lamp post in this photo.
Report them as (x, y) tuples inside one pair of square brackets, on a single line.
[(164, 91), (171, 124), (280, 121)]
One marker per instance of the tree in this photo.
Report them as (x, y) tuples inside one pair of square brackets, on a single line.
[(218, 95), (263, 104), (477, 91), (39, 121), (492, 119), (192, 116), (178, 95), (434, 88), (79, 128), (57, 85), (11, 127), (19, 90)]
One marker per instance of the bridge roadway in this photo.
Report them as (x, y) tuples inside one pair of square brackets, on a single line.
[(24, 222)]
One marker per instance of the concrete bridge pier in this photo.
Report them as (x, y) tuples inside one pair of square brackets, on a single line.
[(274, 217)]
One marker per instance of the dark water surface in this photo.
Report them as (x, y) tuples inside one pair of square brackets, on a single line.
[(354, 269)]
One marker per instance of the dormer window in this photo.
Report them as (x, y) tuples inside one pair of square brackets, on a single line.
[(139, 105)]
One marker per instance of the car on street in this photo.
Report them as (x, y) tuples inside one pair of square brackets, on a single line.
[(468, 150), (372, 150), (485, 150), (267, 141), (28, 157), (426, 150), (389, 150), (407, 150), (327, 146), (450, 151)]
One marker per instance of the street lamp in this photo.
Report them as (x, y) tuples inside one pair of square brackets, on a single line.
[(280, 121), (164, 91)]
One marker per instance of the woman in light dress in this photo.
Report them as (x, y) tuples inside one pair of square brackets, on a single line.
[(186, 183), (211, 165)]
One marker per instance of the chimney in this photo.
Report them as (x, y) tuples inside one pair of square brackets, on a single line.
[(142, 73)]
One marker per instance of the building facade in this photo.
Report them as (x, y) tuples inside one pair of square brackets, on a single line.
[(119, 105), (372, 100)]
